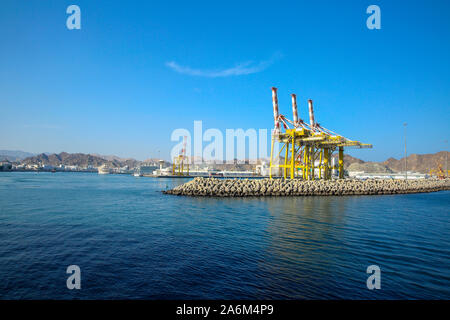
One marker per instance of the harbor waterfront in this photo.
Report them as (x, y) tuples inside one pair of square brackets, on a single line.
[(132, 241)]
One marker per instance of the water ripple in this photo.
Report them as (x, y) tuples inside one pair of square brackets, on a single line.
[(133, 242)]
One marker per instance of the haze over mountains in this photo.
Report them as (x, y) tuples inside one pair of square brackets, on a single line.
[(14, 155), (422, 163), (70, 159), (76, 159), (416, 162)]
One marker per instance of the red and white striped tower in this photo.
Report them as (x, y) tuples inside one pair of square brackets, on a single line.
[(183, 151), (294, 109), (275, 110), (311, 114)]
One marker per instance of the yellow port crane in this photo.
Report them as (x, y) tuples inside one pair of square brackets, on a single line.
[(307, 148), (180, 165), (438, 172)]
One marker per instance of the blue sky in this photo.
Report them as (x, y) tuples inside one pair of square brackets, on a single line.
[(137, 70)]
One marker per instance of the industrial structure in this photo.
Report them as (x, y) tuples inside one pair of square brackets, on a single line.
[(307, 148), (180, 165), (438, 172)]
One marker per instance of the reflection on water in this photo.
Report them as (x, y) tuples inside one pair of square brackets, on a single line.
[(304, 232), (159, 246)]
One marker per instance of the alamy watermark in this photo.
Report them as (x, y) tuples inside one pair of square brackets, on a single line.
[(374, 280), (215, 146), (74, 20), (374, 20), (74, 280)]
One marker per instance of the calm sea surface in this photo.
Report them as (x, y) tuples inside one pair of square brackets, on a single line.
[(133, 242)]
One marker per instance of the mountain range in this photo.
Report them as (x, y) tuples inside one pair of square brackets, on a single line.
[(422, 163), (14, 155), (416, 162)]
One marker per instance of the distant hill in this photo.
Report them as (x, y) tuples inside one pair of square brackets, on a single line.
[(349, 160), (369, 167), (110, 157), (77, 159), (418, 162), (14, 155)]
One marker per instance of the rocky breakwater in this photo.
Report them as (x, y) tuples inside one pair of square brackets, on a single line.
[(213, 187)]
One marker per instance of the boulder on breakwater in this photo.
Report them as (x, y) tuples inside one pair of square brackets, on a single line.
[(213, 187)]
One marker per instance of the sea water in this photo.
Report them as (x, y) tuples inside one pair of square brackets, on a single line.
[(130, 241)]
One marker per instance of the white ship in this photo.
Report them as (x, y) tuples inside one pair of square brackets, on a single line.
[(163, 172), (137, 174), (145, 170), (103, 169), (236, 174), (207, 172)]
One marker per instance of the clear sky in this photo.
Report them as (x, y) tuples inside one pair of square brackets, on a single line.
[(137, 70)]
